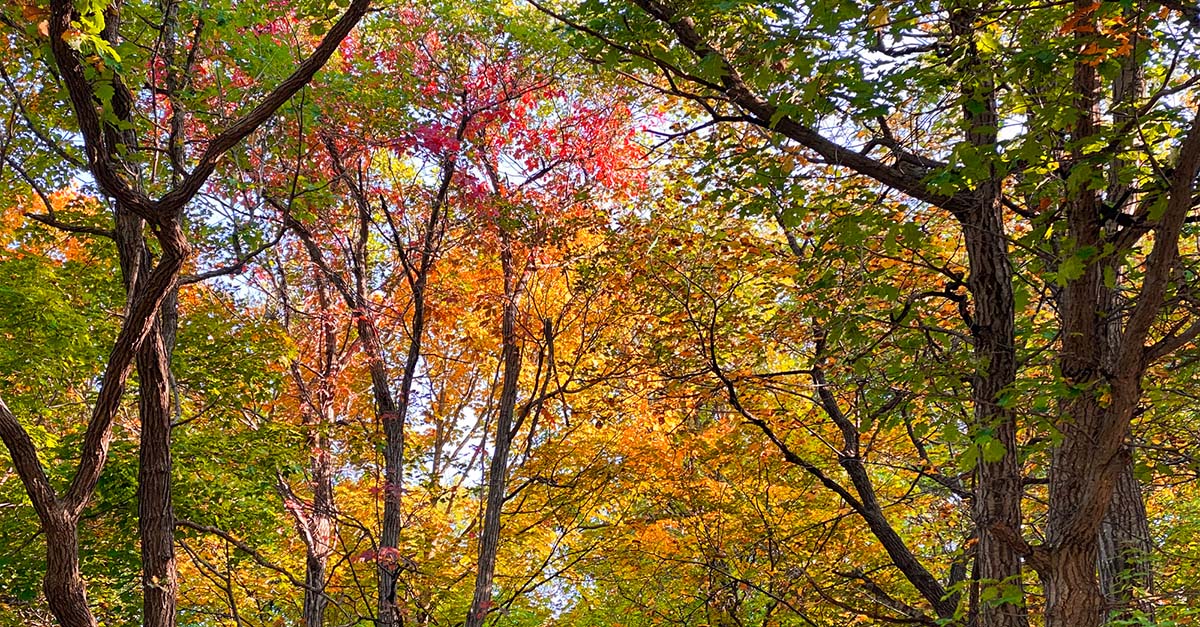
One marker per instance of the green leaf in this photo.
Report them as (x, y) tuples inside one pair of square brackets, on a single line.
[(1070, 269), (993, 450)]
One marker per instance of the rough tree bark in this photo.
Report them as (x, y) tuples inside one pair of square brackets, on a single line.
[(1077, 483), (1124, 543), (510, 356), (997, 502), (156, 523), (59, 514), (156, 518), (1125, 547)]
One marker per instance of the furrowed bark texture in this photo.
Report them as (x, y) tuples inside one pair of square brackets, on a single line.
[(997, 503), (59, 515), (489, 538), (156, 518)]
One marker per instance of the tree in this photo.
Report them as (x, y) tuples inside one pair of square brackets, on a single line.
[(695, 313), (103, 143), (1109, 285)]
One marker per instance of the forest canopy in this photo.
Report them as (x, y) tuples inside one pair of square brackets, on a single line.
[(695, 313)]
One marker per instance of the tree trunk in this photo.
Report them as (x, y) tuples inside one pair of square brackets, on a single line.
[(489, 539), (392, 419), (1125, 547), (1080, 467), (156, 519), (997, 505), (395, 415), (156, 522), (314, 597), (1125, 543), (63, 585), (320, 531), (1071, 596), (320, 520)]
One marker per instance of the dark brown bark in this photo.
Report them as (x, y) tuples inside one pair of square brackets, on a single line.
[(59, 515), (64, 587), (417, 271), (156, 524), (510, 356), (390, 415), (1095, 425), (1079, 486), (156, 519), (392, 419), (315, 600), (997, 502)]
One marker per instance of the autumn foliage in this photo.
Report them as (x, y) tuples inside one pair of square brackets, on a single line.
[(601, 314)]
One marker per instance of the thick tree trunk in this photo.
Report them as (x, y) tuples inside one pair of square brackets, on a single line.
[(997, 505), (1081, 466), (63, 585), (1071, 595), (1125, 548), (489, 538)]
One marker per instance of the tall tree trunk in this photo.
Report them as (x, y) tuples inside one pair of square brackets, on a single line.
[(391, 413), (156, 519), (489, 539), (319, 520), (104, 145), (315, 519), (997, 504), (392, 419), (1124, 542), (1077, 481), (156, 522)]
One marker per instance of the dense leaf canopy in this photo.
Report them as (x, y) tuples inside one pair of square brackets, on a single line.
[(707, 313)]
